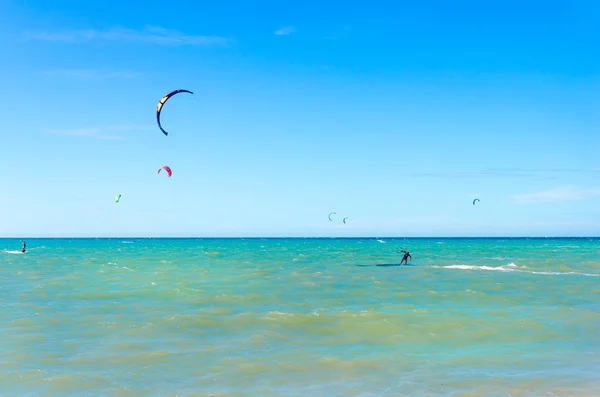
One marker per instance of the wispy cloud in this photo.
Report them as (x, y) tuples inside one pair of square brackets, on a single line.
[(92, 73), (286, 30), (149, 35), (105, 133), (467, 174), (500, 173), (97, 133), (559, 194)]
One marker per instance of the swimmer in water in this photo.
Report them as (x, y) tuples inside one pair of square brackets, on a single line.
[(24, 247)]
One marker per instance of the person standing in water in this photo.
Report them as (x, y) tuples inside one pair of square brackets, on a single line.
[(24, 247), (406, 256)]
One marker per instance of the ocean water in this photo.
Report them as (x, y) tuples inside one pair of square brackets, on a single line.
[(300, 317)]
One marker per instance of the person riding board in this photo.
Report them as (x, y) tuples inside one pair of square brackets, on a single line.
[(406, 256), (24, 247)]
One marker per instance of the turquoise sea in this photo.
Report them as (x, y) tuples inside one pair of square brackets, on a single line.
[(300, 317)]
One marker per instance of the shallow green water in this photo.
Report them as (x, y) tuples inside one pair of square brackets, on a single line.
[(297, 317)]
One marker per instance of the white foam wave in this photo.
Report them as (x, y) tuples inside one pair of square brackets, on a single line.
[(511, 267), (381, 241), (506, 268), (565, 273), (14, 252)]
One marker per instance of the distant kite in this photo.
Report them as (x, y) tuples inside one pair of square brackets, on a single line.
[(329, 216), (344, 220), (475, 200), (161, 104), (166, 168), (117, 198)]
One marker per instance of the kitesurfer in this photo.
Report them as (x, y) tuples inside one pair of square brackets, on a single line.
[(406, 256), (24, 247)]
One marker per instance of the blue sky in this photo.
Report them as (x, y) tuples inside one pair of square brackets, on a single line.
[(394, 115)]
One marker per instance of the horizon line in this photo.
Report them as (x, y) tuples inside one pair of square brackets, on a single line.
[(296, 237)]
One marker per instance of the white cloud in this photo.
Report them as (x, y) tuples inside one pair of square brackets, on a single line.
[(285, 31), (149, 35), (92, 73), (564, 193), (104, 133), (97, 133), (500, 173)]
